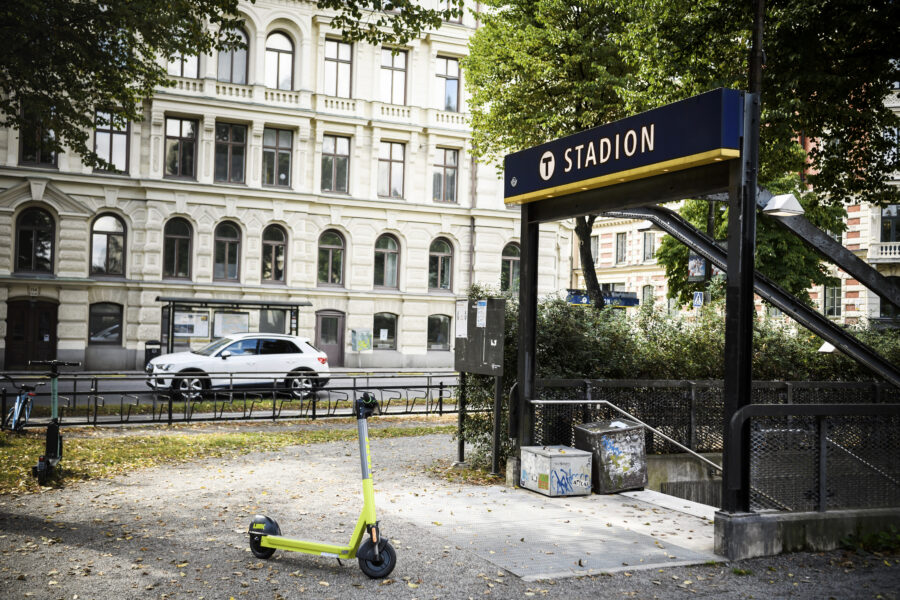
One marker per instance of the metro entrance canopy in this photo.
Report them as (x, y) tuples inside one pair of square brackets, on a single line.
[(697, 131)]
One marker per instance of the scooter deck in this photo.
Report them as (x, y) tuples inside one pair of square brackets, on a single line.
[(307, 547)]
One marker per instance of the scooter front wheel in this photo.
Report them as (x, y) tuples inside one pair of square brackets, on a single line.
[(387, 559), (257, 549)]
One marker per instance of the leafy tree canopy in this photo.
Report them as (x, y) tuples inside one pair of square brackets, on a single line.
[(829, 66), (62, 59)]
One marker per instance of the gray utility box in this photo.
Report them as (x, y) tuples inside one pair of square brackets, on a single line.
[(556, 470), (617, 446)]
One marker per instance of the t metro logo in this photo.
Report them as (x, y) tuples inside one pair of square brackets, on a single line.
[(548, 163)]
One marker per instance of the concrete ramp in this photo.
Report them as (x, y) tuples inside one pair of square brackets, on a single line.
[(536, 537)]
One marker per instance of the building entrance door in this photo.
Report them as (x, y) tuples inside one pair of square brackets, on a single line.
[(30, 332), (330, 336)]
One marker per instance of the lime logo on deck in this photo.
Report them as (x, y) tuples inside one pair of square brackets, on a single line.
[(259, 526), (548, 163)]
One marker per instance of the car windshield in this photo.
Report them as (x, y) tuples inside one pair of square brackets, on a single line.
[(210, 348)]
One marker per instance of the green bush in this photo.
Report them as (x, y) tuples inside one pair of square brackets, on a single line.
[(575, 342)]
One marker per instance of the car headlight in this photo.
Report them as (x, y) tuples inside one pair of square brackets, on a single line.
[(164, 367)]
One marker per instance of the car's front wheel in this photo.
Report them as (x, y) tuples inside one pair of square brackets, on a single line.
[(190, 386), (300, 384)]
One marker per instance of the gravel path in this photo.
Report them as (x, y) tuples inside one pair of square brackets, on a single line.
[(180, 532)]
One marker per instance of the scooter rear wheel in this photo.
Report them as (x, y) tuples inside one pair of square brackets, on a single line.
[(257, 549), (386, 563)]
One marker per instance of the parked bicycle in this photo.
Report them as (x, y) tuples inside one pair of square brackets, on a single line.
[(18, 415)]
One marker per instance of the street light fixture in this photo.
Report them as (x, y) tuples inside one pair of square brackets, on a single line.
[(783, 205)]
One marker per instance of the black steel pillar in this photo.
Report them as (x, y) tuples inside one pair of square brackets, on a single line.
[(528, 266), (739, 304)]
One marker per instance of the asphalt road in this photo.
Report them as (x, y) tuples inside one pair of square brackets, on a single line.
[(180, 532)]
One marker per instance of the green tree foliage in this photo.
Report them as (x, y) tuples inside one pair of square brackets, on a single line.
[(780, 255), (829, 66), (541, 69), (63, 59)]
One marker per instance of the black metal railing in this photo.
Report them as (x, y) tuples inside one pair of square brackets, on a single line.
[(101, 399)]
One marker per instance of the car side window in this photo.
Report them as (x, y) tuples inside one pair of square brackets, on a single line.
[(278, 347), (242, 347)]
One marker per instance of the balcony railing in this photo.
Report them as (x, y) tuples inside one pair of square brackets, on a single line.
[(884, 252)]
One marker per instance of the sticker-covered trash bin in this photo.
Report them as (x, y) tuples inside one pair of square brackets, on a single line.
[(556, 470), (619, 458)]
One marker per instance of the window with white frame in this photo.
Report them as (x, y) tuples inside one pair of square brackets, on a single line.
[(335, 163), (649, 245), (447, 88), (279, 61), (621, 247)]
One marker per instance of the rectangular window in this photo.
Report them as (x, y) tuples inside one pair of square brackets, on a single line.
[(595, 248), (181, 147), (335, 163), (390, 170), (231, 144), (35, 140), (384, 331), (338, 62), (890, 223), (621, 239), (447, 88), (445, 175), (649, 246), (393, 76), (111, 141), (832, 301), (105, 323), (184, 66), (277, 157)]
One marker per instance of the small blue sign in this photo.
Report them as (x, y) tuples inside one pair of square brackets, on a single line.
[(698, 299), (611, 298), (681, 135)]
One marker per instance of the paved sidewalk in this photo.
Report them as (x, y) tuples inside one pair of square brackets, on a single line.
[(180, 532)]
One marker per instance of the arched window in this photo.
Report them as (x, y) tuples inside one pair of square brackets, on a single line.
[(108, 246), (387, 260), (647, 295), (331, 258), (105, 323), (279, 62), (384, 331), (226, 265), (274, 243), (438, 332), (177, 249), (509, 268), (233, 63), (35, 235), (440, 264)]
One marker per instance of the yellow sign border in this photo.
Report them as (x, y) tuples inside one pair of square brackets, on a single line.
[(676, 164)]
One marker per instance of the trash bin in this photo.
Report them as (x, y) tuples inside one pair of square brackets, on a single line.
[(619, 457), (152, 349), (556, 470)]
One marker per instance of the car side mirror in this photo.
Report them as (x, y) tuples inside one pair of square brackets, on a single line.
[(225, 354)]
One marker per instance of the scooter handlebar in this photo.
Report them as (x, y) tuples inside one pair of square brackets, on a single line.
[(366, 405)]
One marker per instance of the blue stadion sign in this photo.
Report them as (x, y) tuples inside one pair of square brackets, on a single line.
[(690, 133)]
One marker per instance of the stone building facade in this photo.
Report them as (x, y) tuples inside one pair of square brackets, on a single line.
[(300, 169)]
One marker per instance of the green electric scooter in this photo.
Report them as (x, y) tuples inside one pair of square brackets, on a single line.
[(376, 556)]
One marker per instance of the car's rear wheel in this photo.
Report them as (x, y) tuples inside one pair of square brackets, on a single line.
[(190, 386), (300, 384)]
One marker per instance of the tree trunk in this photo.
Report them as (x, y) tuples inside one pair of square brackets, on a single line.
[(583, 228)]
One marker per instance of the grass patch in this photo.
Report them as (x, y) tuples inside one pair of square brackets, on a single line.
[(741, 572), (93, 458), (444, 469)]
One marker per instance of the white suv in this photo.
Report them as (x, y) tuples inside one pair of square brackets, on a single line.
[(260, 360)]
